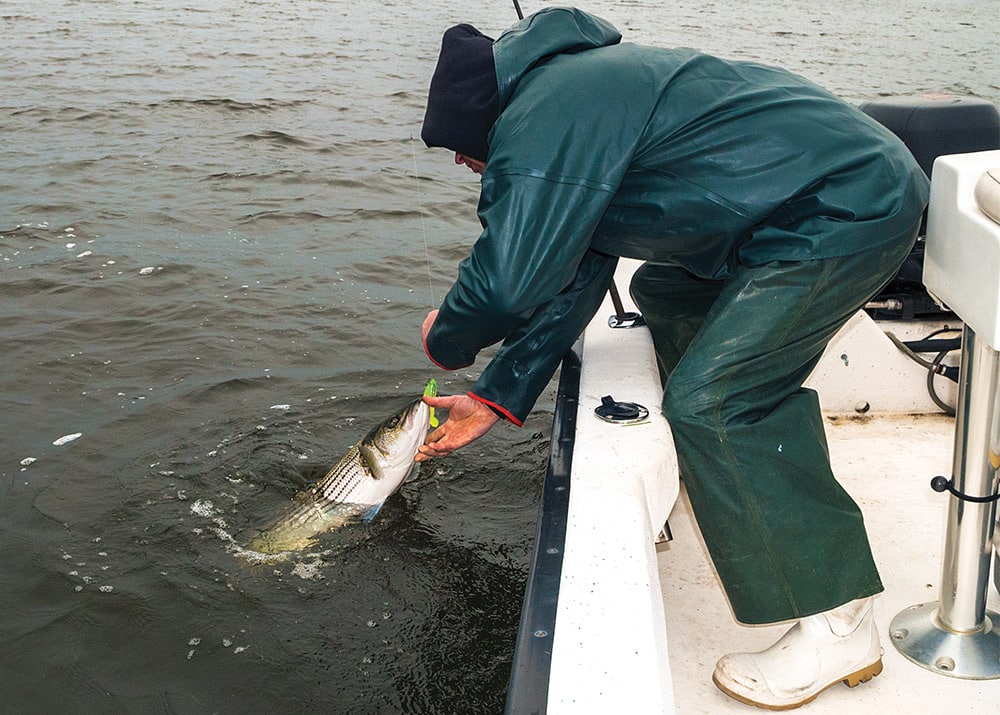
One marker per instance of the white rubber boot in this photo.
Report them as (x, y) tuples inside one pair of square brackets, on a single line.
[(836, 646)]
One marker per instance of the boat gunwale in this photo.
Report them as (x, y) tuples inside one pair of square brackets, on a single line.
[(528, 687)]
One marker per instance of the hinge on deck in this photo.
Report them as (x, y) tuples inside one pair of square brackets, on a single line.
[(664, 537)]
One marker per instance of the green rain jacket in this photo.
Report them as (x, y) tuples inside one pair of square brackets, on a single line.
[(605, 149)]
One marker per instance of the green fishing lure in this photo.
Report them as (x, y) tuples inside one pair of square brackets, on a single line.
[(431, 390)]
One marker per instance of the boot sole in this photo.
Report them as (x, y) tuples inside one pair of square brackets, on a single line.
[(853, 680)]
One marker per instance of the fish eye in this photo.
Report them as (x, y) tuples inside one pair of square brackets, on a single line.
[(394, 421)]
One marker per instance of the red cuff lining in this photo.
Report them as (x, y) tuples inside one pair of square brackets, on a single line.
[(498, 408)]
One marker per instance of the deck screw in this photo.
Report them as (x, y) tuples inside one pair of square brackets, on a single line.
[(945, 663)]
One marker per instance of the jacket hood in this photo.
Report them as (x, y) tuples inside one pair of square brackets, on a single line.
[(547, 32)]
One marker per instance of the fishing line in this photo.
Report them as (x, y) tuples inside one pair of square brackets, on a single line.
[(423, 227), (420, 201)]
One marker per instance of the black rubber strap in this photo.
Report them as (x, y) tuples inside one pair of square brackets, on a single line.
[(940, 484)]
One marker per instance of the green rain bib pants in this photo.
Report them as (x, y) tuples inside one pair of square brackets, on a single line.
[(786, 539)]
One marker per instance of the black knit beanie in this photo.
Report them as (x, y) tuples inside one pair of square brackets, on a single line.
[(463, 102)]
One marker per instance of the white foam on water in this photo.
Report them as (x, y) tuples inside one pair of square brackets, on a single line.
[(309, 572), (206, 509), (256, 557), (203, 507)]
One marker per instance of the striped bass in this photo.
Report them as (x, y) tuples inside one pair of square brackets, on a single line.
[(355, 489)]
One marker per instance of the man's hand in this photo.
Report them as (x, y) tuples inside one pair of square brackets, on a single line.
[(428, 323), (468, 420)]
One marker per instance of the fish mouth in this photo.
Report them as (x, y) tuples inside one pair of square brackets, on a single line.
[(417, 412)]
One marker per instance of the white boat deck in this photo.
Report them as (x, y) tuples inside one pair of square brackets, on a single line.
[(886, 463)]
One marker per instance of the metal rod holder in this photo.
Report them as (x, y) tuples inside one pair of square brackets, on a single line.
[(958, 636)]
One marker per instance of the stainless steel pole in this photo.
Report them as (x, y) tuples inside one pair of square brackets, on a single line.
[(968, 542), (958, 636)]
